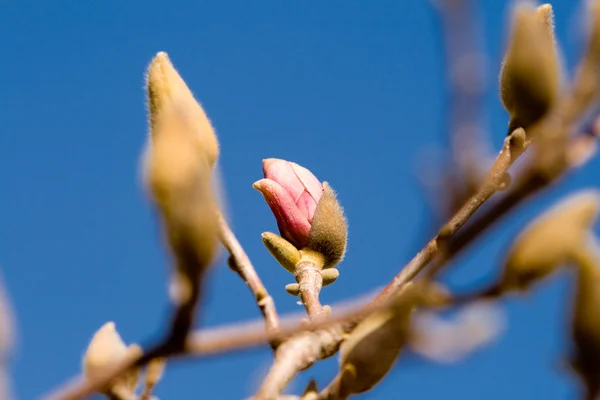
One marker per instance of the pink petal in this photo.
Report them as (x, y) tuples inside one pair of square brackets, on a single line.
[(293, 224), (307, 205), (309, 181), (281, 171)]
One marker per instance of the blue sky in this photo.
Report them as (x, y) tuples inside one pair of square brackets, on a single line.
[(353, 90)]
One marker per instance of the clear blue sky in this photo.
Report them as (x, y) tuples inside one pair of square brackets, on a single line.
[(353, 90)]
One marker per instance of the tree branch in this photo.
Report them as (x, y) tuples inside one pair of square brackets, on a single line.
[(240, 263), (297, 354), (324, 333), (514, 146)]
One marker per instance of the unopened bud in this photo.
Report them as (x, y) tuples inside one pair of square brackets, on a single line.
[(530, 76), (550, 241)]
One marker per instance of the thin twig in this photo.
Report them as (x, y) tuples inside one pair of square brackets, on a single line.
[(514, 146), (240, 263)]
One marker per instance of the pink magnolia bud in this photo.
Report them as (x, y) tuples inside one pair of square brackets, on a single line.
[(292, 193)]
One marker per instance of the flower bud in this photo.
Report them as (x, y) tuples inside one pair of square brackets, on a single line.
[(374, 345), (292, 193), (168, 93), (307, 212), (550, 241), (178, 163), (104, 351), (530, 76)]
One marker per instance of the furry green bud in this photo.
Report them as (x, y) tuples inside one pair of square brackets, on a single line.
[(293, 289), (329, 275), (286, 254), (329, 231)]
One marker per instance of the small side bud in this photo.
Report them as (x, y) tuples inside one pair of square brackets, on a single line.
[(293, 289), (286, 254), (329, 231), (550, 241), (329, 275), (530, 76), (104, 351)]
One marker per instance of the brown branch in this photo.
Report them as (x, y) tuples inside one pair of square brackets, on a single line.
[(514, 146), (523, 188), (240, 263), (301, 351), (297, 354)]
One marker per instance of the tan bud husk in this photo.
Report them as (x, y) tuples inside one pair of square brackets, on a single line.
[(585, 319), (293, 289), (329, 231), (178, 178), (586, 80), (550, 241), (329, 275), (168, 92), (104, 351), (530, 76), (593, 48), (177, 166), (374, 345), (286, 254)]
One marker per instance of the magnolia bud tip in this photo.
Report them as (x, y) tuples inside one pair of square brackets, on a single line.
[(110, 325), (257, 185)]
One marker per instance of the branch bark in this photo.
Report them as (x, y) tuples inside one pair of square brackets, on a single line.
[(309, 279), (240, 263), (297, 354)]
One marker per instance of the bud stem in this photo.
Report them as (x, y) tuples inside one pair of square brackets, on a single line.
[(309, 278)]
